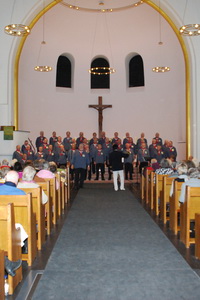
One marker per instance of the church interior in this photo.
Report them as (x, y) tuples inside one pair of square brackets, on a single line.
[(114, 66)]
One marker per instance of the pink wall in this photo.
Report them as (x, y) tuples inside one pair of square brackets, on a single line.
[(159, 106)]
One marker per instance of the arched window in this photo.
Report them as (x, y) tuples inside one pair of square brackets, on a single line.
[(64, 72), (136, 71), (100, 81)]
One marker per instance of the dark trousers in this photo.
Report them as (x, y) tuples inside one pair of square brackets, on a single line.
[(79, 177), (128, 170), (102, 168)]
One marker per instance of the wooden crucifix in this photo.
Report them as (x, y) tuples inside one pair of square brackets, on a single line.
[(100, 107)]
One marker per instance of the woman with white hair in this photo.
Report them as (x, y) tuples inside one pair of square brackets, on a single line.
[(28, 181)]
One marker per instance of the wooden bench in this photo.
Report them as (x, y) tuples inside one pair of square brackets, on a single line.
[(188, 209), (158, 192), (53, 197), (165, 198), (24, 215), (197, 236), (174, 207), (152, 190), (10, 240), (142, 185), (58, 194), (39, 210), (147, 186), (68, 185), (45, 185), (2, 272)]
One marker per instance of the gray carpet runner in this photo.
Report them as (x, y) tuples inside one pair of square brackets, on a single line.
[(110, 249)]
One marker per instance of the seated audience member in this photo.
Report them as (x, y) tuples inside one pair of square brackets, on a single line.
[(193, 181), (10, 185), (39, 140), (40, 154), (53, 167), (190, 164), (158, 138), (3, 173), (154, 164), (141, 140), (53, 139), (18, 168), (11, 266), (45, 172), (67, 141), (17, 154), (194, 160), (165, 168), (180, 175), (28, 182), (4, 164)]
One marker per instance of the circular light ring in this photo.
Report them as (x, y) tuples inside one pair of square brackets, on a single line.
[(101, 71), (43, 68), (190, 30), (101, 10), (17, 29), (161, 69)]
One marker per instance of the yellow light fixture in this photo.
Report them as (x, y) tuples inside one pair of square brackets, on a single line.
[(16, 29), (42, 68), (101, 71), (189, 29), (160, 69)]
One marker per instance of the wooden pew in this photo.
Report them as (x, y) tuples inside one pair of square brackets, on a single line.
[(39, 210), (152, 190), (147, 186), (189, 208), (45, 185), (58, 194), (10, 240), (165, 198), (174, 207), (142, 185), (68, 187), (158, 192), (24, 215), (197, 236), (2, 272), (53, 197)]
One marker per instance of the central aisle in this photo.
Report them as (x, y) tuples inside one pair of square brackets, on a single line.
[(111, 249)]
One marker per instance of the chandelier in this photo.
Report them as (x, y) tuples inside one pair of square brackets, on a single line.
[(160, 69), (42, 68), (101, 71), (189, 29), (16, 29)]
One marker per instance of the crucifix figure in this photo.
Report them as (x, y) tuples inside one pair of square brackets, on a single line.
[(100, 107)]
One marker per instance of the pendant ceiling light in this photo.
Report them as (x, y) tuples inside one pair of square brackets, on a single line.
[(189, 29), (42, 67), (15, 29), (160, 69)]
